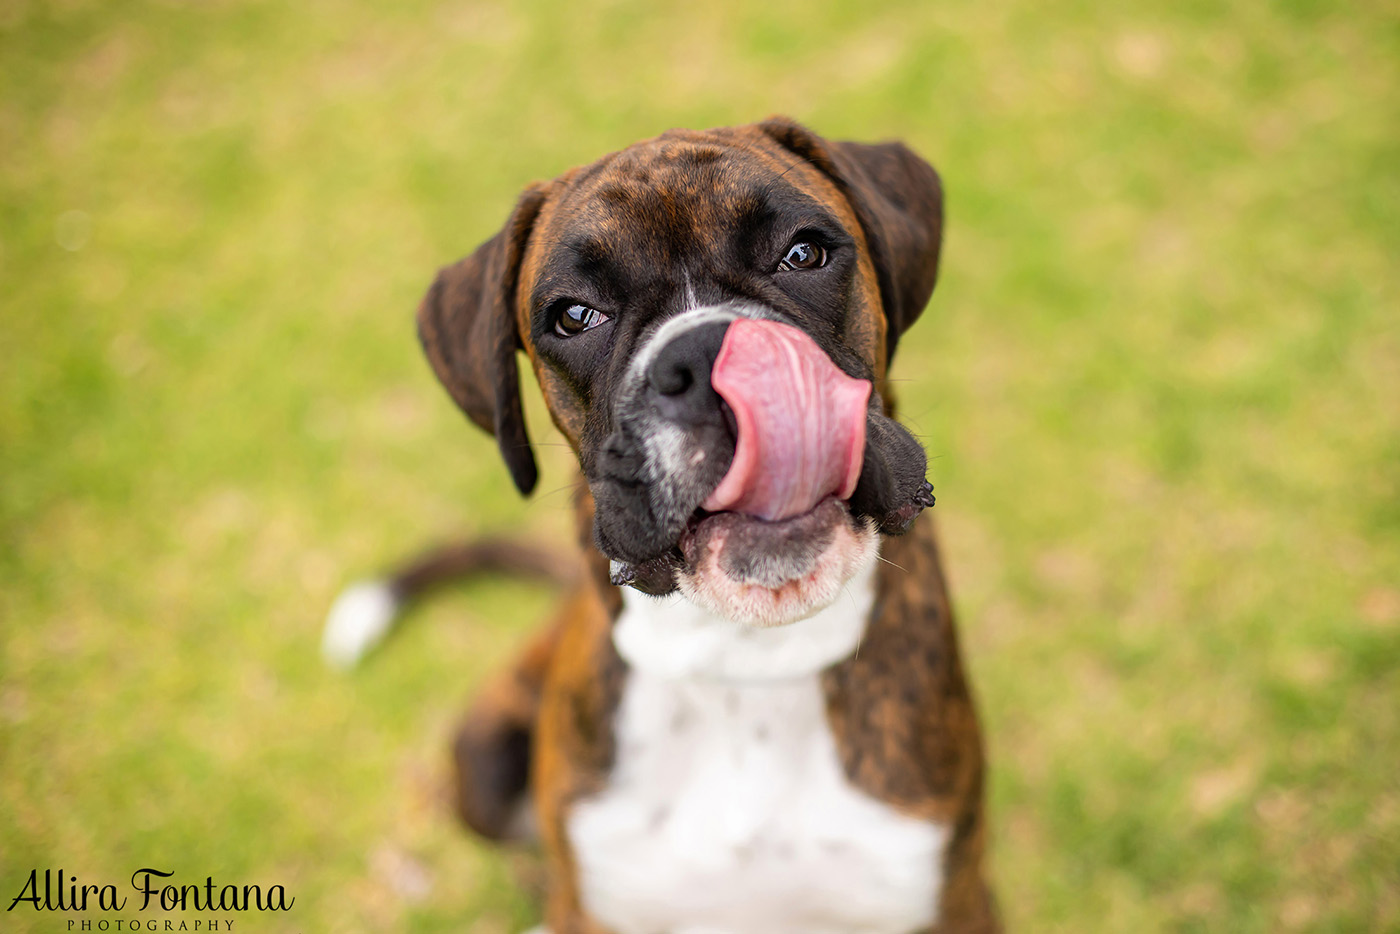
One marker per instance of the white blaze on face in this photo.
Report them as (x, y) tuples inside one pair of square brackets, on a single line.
[(673, 328)]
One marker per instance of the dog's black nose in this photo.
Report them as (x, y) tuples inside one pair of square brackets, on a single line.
[(678, 380)]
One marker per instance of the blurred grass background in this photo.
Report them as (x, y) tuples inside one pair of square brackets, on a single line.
[(1160, 382)]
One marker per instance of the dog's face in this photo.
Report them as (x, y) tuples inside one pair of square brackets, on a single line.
[(710, 316)]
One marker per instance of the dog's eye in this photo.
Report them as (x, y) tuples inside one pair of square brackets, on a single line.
[(575, 319), (803, 255)]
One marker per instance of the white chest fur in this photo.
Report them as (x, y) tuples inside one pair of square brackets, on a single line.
[(727, 811)]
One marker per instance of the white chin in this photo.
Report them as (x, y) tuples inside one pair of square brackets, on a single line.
[(711, 585)]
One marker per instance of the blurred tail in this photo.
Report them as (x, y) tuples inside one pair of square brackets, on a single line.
[(365, 612)]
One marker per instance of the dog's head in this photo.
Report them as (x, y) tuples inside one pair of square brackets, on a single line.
[(710, 316)]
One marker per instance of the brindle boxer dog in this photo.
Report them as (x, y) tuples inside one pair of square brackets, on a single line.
[(741, 721)]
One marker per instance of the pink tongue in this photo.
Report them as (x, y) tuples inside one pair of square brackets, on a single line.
[(801, 422)]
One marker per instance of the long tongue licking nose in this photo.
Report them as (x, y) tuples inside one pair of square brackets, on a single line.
[(801, 422)]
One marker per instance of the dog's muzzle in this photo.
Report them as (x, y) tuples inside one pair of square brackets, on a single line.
[(730, 412)]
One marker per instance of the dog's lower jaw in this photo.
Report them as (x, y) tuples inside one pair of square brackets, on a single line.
[(675, 637), (712, 580)]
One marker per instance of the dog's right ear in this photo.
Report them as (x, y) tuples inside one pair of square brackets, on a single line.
[(466, 323)]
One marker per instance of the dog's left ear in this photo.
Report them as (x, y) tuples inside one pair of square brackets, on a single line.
[(899, 200), (466, 323)]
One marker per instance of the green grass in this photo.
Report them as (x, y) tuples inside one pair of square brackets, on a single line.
[(1160, 382)]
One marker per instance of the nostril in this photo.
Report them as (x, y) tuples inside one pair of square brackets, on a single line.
[(672, 380)]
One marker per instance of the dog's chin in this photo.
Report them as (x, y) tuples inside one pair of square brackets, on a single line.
[(763, 573)]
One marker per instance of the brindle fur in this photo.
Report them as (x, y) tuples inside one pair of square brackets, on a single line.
[(904, 720)]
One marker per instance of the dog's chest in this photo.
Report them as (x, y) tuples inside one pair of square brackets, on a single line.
[(727, 810)]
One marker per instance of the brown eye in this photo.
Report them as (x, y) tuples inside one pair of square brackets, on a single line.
[(804, 255), (575, 319)]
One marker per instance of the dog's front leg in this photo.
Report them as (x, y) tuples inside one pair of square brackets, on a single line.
[(573, 748)]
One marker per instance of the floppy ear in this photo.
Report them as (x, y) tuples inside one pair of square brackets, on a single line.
[(466, 323), (899, 200)]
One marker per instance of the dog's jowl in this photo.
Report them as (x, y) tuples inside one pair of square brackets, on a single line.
[(749, 716)]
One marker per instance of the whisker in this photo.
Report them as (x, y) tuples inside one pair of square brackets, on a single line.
[(544, 496), (891, 563)]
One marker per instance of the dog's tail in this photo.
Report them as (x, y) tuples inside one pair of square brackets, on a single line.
[(365, 612)]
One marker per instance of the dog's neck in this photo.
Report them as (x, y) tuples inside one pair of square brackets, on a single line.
[(671, 637)]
